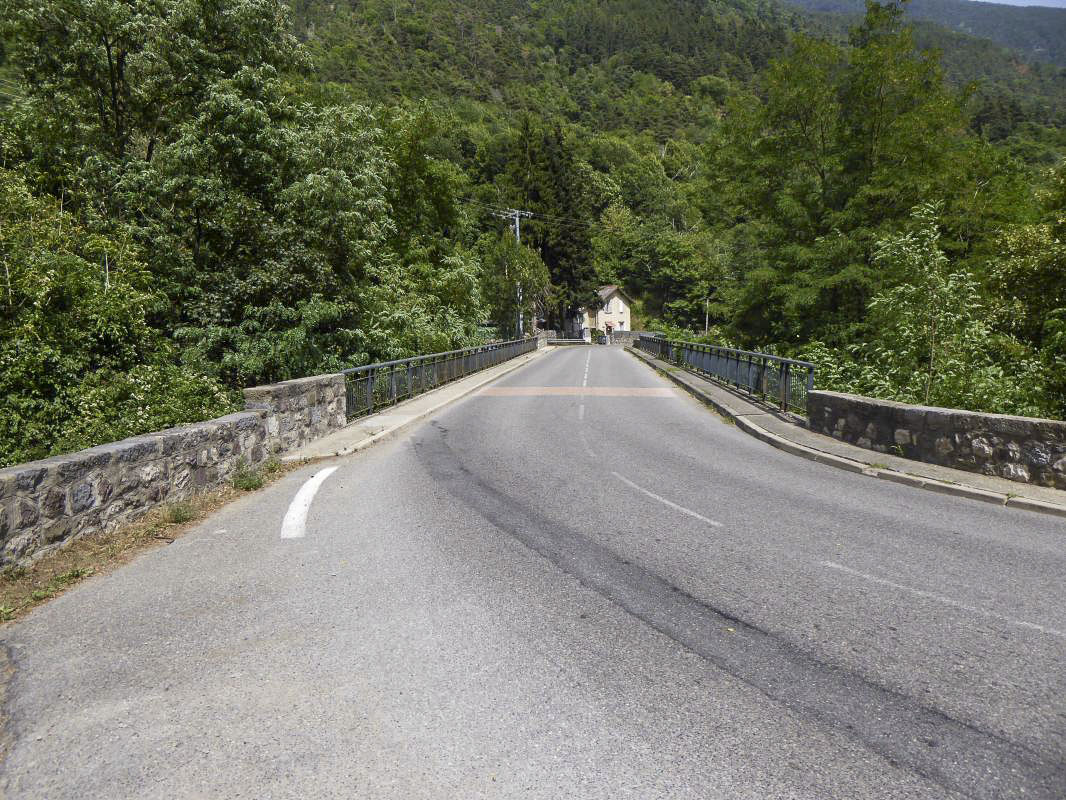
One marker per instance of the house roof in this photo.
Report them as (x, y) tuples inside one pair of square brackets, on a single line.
[(606, 291)]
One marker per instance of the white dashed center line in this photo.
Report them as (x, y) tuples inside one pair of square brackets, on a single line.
[(666, 502), (942, 599)]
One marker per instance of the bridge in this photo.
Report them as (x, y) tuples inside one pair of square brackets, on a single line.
[(561, 577)]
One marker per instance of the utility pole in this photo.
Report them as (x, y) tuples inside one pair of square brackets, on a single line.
[(516, 215)]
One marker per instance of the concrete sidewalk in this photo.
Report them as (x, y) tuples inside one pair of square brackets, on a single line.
[(785, 432), (366, 431)]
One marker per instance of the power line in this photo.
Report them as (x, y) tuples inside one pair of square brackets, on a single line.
[(503, 211)]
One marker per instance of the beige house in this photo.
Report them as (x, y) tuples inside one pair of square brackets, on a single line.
[(614, 316)]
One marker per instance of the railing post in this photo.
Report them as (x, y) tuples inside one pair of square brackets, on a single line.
[(785, 376), (370, 391)]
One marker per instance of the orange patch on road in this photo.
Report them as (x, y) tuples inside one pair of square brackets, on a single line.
[(582, 391)]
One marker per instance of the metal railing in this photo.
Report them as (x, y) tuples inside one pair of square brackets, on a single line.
[(783, 381), (377, 386)]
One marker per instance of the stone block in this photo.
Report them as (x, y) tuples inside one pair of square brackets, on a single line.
[(136, 449), (195, 436), (56, 531), (54, 502), (128, 480), (1037, 454), (28, 515), (18, 547), (1042, 478), (937, 419), (82, 497), (171, 441), (105, 489), (901, 436), (248, 422), (180, 479), (913, 418), (853, 424), (1015, 472), (965, 421), (943, 447), (29, 478), (77, 465)]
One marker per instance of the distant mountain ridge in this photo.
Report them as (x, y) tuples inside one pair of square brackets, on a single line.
[(1036, 33), (1039, 3)]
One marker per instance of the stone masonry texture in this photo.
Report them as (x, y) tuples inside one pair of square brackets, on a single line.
[(1019, 448), (45, 503), (299, 411)]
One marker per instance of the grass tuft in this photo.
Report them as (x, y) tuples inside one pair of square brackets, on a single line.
[(246, 479), (179, 513)]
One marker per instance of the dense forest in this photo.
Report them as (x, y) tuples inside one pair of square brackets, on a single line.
[(200, 195)]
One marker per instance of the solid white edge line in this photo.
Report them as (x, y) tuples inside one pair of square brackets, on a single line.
[(942, 599), (294, 526), (666, 502)]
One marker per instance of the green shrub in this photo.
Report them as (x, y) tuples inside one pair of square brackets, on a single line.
[(245, 478), (178, 513)]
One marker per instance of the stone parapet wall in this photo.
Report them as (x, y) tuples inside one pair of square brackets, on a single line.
[(44, 503), (1019, 448), (299, 411)]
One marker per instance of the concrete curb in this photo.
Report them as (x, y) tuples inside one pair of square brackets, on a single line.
[(848, 464), (385, 433)]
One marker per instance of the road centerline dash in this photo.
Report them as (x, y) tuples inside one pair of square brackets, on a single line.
[(665, 502), (578, 391), (945, 600)]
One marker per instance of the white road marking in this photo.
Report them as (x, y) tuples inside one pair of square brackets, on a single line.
[(588, 357), (585, 441), (666, 502), (945, 600), (295, 523), (581, 412)]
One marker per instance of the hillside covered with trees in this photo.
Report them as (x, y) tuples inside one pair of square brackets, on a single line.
[(199, 195)]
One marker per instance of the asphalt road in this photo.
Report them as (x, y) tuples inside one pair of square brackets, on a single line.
[(542, 593)]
